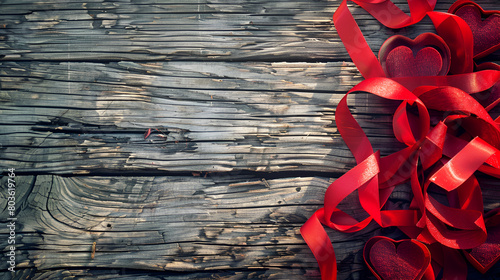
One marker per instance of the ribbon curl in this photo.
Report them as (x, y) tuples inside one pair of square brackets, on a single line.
[(443, 154)]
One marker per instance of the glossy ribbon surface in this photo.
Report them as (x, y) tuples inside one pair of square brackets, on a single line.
[(444, 121)]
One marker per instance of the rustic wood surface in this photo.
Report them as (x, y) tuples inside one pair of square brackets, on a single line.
[(240, 96)]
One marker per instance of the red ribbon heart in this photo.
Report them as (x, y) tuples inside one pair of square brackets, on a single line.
[(487, 254), (396, 260), (402, 63), (486, 32), (357, 46), (427, 55)]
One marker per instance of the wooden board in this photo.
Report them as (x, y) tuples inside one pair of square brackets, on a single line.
[(233, 226), (240, 99), (223, 116), (224, 223)]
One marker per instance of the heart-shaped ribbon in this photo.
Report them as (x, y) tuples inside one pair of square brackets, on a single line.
[(396, 260), (485, 26), (426, 55)]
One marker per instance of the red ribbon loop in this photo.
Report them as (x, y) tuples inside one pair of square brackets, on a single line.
[(449, 135), (458, 169)]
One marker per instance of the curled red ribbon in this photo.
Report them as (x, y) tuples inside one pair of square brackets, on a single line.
[(443, 154)]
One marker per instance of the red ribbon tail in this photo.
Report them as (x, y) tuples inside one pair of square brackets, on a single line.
[(318, 241)]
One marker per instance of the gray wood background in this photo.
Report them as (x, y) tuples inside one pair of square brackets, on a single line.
[(242, 94)]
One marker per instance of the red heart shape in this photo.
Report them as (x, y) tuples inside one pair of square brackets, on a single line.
[(487, 254), (486, 32), (401, 62), (396, 260), (427, 55)]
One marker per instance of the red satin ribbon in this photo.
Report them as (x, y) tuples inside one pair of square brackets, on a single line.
[(355, 43), (375, 178), (458, 36), (388, 14), (445, 155), (451, 28)]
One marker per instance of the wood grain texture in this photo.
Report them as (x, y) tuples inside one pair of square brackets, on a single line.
[(171, 30), (232, 226), (297, 30), (228, 225), (240, 98), (73, 118)]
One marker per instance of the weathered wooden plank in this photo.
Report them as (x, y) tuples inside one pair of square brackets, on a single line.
[(295, 30), (232, 225), (188, 224), (131, 274), (91, 117)]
